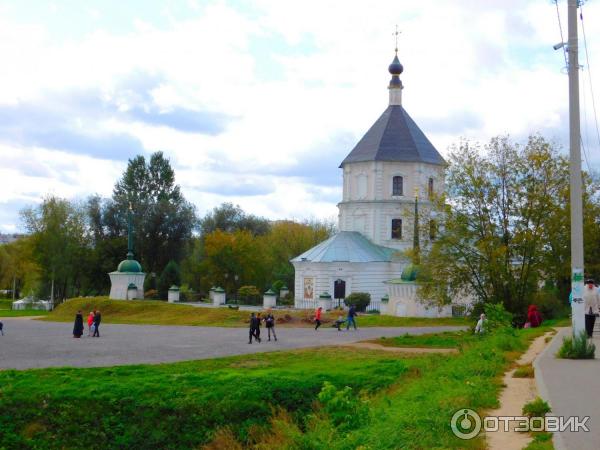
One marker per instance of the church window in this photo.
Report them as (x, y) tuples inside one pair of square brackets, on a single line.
[(396, 228), (397, 185), (430, 188), (361, 181)]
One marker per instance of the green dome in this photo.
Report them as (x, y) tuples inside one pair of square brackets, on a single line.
[(129, 265), (410, 273)]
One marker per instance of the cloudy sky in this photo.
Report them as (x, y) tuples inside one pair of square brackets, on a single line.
[(257, 102)]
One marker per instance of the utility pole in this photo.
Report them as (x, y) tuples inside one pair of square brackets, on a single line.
[(577, 307)]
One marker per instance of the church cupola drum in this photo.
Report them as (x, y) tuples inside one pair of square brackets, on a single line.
[(389, 167)]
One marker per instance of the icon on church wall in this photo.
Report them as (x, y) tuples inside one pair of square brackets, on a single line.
[(309, 288)]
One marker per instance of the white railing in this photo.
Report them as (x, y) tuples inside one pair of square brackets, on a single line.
[(375, 305)]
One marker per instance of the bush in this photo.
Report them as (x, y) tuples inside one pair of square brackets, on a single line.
[(287, 299), (345, 409), (497, 317), (525, 371), (359, 299), (577, 348), (536, 408), (549, 305), (249, 295)]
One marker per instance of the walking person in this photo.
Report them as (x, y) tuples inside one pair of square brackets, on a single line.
[(350, 319), (270, 324), (253, 329), (1, 328), (90, 323), (318, 313), (78, 326), (591, 299), (97, 320), (258, 323)]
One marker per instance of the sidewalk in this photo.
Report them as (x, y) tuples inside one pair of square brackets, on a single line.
[(572, 387)]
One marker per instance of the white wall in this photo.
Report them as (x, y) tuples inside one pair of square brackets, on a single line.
[(368, 205), (359, 277)]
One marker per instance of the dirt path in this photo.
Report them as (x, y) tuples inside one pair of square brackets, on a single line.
[(517, 392), (373, 346)]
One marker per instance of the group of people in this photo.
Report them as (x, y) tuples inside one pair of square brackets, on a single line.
[(255, 322), (93, 322), (349, 320)]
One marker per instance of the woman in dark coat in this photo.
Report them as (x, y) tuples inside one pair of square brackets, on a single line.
[(78, 326)]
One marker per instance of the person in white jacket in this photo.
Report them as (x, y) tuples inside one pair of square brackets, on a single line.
[(480, 327), (591, 301)]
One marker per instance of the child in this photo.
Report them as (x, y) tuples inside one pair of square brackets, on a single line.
[(339, 322)]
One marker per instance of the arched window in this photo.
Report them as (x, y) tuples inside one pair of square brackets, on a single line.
[(397, 185), (396, 228), (430, 188)]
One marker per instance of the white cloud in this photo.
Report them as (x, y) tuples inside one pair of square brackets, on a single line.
[(291, 77)]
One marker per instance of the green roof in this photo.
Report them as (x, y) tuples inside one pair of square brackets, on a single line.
[(350, 246), (174, 288), (270, 292), (130, 266)]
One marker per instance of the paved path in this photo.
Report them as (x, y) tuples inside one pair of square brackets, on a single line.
[(32, 343), (572, 387)]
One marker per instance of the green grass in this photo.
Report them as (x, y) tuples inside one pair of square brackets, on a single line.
[(264, 400), (184, 403), (524, 371), (5, 303), (449, 339), (22, 313), (162, 313)]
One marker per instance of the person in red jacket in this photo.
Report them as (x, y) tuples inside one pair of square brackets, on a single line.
[(90, 322), (534, 318), (318, 313)]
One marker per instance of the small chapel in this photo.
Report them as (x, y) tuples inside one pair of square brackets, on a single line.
[(389, 180)]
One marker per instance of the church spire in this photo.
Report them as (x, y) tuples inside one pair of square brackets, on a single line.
[(395, 68), (130, 232)]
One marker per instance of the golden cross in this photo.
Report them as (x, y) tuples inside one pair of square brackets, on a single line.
[(396, 34)]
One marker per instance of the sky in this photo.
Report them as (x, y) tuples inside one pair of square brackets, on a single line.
[(257, 102)]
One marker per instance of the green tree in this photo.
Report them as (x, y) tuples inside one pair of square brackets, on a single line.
[(170, 276), (60, 244), (503, 202), (163, 219), (18, 269), (230, 218)]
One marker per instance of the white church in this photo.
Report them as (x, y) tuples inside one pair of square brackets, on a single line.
[(390, 166)]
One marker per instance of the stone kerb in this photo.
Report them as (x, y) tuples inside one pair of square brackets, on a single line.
[(269, 299), (219, 296), (173, 295), (325, 301)]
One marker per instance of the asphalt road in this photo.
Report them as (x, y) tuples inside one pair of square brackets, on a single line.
[(30, 344)]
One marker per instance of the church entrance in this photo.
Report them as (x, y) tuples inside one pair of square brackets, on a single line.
[(339, 290)]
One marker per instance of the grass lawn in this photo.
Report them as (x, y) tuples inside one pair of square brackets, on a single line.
[(449, 339), (265, 400), (183, 403), (162, 313), (22, 313)]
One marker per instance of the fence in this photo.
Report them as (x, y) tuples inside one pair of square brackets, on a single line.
[(375, 305)]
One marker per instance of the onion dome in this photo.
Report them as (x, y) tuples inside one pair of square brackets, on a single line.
[(130, 266), (395, 68), (410, 273)]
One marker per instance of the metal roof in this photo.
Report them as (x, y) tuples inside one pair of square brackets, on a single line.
[(394, 137), (347, 246)]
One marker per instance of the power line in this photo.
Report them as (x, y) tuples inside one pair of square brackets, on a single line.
[(587, 60), (564, 48)]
